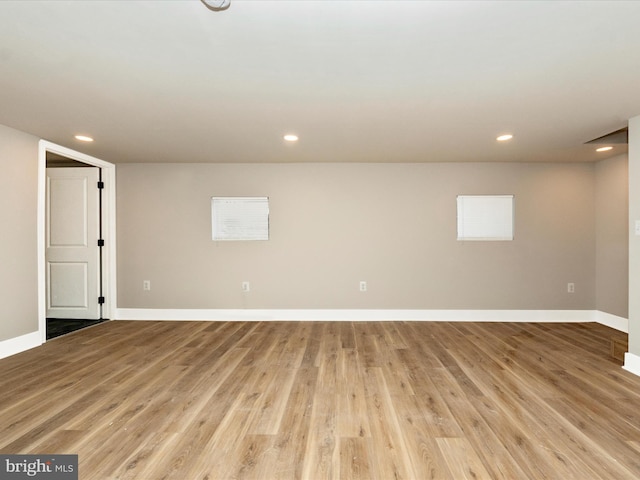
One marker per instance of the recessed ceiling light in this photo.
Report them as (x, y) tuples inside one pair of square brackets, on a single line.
[(84, 138), (290, 137), (604, 149), (505, 137)]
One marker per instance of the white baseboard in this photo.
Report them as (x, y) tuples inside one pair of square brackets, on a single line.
[(25, 342), (613, 321), (357, 315), (632, 363), (20, 344)]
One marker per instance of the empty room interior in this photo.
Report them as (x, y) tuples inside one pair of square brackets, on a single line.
[(320, 239)]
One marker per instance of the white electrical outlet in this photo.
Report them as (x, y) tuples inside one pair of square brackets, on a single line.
[(146, 285), (246, 286), (637, 230), (363, 286), (571, 287)]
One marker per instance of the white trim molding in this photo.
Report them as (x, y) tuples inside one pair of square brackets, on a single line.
[(351, 315), (613, 321), (632, 363), (20, 344), (109, 285)]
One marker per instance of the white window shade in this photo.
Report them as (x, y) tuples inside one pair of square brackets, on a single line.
[(240, 218), (485, 217)]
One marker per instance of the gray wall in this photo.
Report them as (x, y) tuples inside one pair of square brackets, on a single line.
[(18, 250), (634, 240), (332, 225), (612, 240)]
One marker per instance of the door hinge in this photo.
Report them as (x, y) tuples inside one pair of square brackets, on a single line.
[(101, 185), (100, 300), (101, 243)]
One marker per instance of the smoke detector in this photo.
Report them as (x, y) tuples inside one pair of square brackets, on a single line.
[(217, 5)]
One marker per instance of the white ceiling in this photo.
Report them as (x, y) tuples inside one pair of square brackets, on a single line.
[(365, 81)]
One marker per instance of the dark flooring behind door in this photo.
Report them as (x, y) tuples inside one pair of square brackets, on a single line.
[(61, 326)]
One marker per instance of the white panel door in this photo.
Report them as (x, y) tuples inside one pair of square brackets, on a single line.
[(72, 253)]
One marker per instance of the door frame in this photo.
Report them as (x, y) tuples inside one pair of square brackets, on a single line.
[(108, 213)]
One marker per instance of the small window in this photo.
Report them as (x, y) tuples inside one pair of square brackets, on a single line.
[(485, 217), (240, 218)]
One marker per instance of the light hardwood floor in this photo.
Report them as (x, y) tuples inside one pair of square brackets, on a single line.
[(290, 400)]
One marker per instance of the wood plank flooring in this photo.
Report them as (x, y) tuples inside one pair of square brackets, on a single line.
[(345, 400)]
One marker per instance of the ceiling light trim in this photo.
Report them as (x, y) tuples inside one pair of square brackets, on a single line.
[(83, 138)]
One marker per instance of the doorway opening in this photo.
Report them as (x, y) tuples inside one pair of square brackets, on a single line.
[(73, 244), (76, 241)]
